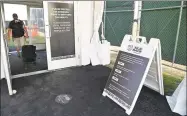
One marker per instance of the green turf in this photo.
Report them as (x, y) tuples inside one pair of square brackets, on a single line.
[(170, 83), (10, 42), (39, 39)]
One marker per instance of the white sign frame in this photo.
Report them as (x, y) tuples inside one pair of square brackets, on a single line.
[(154, 46), (61, 63)]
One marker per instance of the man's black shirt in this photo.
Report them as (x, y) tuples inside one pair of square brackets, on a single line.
[(17, 28)]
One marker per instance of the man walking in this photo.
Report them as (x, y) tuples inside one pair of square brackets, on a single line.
[(17, 27)]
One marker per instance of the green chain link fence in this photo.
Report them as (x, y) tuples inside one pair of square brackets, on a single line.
[(181, 53), (159, 19), (118, 20)]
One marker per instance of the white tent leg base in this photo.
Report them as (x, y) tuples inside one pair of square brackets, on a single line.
[(14, 91)]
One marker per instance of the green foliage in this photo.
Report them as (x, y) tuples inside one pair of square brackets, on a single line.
[(170, 83)]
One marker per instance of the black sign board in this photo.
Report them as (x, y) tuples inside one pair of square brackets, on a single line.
[(126, 77), (61, 21)]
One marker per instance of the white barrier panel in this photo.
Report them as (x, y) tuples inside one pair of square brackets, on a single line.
[(137, 63), (177, 101)]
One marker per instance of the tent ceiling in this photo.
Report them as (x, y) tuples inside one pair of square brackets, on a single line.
[(25, 2)]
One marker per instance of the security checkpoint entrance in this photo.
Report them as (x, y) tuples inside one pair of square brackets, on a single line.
[(67, 37)]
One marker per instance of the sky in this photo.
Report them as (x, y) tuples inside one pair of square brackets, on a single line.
[(21, 10)]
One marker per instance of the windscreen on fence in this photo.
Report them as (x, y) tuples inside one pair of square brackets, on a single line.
[(159, 19)]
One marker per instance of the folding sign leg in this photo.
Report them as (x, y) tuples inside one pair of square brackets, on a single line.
[(129, 111), (104, 94), (156, 43), (159, 55)]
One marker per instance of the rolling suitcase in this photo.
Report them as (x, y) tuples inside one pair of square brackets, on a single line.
[(29, 54)]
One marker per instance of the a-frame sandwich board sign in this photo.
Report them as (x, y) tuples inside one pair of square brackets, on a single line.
[(131, 70), (154, 79)]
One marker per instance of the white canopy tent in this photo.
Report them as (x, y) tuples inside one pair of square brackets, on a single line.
[(87, 22)]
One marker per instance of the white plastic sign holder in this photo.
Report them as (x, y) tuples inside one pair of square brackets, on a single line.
[(152, 75)]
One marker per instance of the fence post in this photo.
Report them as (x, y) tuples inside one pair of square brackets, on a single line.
[(177, 35), (104, 17), (135, 20), (139, 17)]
